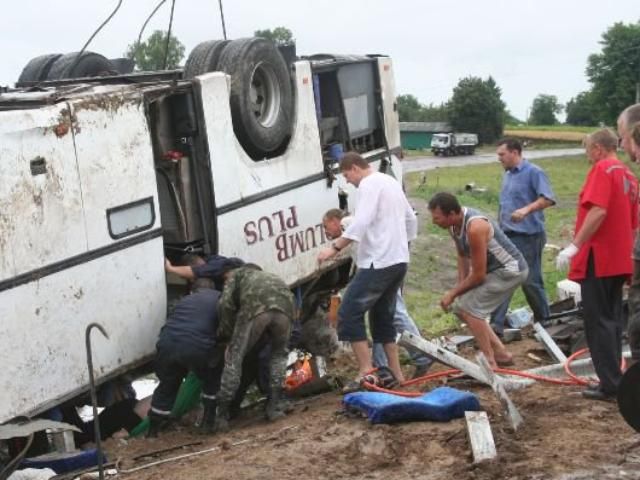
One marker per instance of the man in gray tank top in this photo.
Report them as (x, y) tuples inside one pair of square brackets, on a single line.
[(490, 268)]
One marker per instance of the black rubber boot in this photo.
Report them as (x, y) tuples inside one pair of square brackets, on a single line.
[(275, 408), (222, 418), (207, 423), (157, 423)]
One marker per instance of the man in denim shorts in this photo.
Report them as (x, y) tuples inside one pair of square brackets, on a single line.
[(490, 268), (382, 224)]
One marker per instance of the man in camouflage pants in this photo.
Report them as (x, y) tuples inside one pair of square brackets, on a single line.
[(253, 303)]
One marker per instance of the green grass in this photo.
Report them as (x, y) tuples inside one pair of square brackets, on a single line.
[(554, 128), (433, 262)]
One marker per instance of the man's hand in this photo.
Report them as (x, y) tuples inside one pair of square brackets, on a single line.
[(447, 300), (519, 214), (563, 260), (168, 267), (326, 254)]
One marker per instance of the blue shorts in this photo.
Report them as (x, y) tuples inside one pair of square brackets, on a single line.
[(372, 290)]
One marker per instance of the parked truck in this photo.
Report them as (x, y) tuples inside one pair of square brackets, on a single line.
[(448, 144), (102, 177)]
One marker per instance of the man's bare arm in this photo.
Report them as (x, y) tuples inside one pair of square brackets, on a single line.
[(183, 271), (539, 204), (592, 222)]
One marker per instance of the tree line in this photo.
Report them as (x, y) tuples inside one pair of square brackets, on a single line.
[(476, 104)]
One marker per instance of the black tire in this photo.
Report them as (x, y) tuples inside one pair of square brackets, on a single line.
[(261, 95), (90, 65), (38, 68), (204, 58)]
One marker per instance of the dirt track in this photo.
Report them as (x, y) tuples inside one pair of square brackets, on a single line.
[(563, 437)]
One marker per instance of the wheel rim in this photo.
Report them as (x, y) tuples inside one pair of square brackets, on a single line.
[(264, 94)]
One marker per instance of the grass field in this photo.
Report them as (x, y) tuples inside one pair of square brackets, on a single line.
[(433, 261)]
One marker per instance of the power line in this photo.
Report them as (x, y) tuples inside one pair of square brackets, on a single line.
[(224, 28), (144, 25), (166, 48)]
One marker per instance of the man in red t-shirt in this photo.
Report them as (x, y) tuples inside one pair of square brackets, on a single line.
[(600, 256)]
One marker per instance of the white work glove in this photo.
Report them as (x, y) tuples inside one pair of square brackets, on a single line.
[(563, 260)]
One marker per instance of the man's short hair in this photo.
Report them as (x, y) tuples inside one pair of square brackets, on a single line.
[(350, 159), (334, 213), (446, 202), (605, 138), (630, 115), (511, 144), (203, 283)]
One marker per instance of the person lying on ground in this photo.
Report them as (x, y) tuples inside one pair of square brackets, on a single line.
[(490, 268)]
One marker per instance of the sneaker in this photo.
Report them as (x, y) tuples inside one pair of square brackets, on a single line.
[(595, 393), (357, 384)]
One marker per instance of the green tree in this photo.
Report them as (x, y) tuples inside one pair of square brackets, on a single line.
[(279, 35), (510, 119), (544, 110), (477, 107), (581, 110), (149, 55), (411, 110), (615, 72)]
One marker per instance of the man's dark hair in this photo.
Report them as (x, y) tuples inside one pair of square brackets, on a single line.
[(511, 144), (350, 159), (202, 283), (446, 202), (192, 260)]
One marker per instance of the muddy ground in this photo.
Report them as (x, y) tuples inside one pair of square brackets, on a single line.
[(563, 437)]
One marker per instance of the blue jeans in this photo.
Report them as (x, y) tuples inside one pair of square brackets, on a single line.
[(531, 247), (371, 290), (402, 321)]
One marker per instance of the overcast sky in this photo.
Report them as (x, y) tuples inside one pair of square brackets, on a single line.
[(529, 47)]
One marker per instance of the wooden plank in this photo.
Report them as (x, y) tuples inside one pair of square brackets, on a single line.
[(442, 355), (498, 387), (549, 344), (482, 445)]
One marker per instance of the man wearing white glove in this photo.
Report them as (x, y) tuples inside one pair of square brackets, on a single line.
[(599, 257), (564, 257)]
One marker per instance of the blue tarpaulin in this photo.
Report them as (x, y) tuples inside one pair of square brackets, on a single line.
[(441, 404)]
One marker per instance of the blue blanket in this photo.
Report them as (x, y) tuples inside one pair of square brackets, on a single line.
[(441, 404)]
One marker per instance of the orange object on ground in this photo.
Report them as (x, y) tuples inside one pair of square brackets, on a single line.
[(300, 375), (334, 304)]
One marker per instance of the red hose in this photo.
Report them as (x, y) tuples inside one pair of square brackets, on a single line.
[(573, 378)]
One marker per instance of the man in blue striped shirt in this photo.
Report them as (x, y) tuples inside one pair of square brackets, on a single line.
[(525, 193)]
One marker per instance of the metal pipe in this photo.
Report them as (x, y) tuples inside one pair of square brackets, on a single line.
[(94, 397)]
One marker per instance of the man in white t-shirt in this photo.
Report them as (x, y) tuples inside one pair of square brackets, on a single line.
[(336, 221), (382, 224)]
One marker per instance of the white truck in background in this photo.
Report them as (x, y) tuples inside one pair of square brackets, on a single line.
[(449, 144), (102, 177)]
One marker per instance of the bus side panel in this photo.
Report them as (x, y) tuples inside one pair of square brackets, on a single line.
[(115, 163), (43, 326), (235, 174), (41, 216), (281, 233)]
